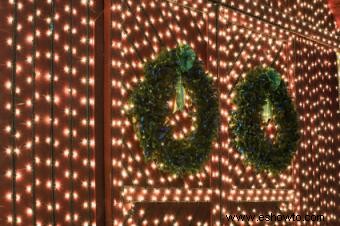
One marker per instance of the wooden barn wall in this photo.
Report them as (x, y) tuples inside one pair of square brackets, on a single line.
[(46, 109), (314, 13), (318, 105), (167, 26), (142, 195)]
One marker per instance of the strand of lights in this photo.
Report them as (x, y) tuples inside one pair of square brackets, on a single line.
[(134, 51), (143, 48), (27, 109), (14, 219), (315, 98), (71, 71), (275, 16), (149, 26), (33, 211), (338, 62), (253, 47), (125, 173), (52, 108), (89, 162)]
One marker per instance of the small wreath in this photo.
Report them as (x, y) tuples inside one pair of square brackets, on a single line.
[(263, 85), (166, 77)]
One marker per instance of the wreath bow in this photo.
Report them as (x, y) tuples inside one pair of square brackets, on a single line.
[(275, 81), (185, 59)]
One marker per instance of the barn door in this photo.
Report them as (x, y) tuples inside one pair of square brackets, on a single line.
[(143, 195), (241, 48)]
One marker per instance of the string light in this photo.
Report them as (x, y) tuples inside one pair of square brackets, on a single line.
[(47, 134), (243, 42), (38, 68)]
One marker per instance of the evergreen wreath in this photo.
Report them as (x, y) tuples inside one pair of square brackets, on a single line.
[(259, 86), (166, 77)]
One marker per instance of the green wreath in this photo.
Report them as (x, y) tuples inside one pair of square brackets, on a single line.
[(168, 76), (260, 87)]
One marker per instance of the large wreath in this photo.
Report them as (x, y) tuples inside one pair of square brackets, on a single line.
[(260, 87), (167, 77)]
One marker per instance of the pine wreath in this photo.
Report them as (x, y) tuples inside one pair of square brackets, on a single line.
[(166, 77), (259, 86)]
